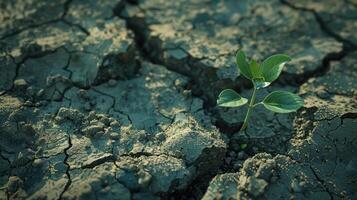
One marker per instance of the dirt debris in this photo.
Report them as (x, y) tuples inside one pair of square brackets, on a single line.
[(106, 99)]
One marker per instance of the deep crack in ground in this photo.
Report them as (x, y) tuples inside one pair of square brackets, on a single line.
[(134, 94)]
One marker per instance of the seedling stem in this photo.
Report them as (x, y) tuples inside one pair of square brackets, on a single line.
[(250, 108)]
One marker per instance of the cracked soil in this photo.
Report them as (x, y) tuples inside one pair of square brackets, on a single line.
[(103, 99)]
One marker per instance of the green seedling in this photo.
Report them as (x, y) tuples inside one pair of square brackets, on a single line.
[(243, 146), (261, 75)]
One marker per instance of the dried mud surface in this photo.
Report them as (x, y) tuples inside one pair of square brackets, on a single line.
[(105, 99)]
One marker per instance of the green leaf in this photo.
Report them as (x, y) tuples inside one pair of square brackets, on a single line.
[(272, 66), (243, 65), (283, 102), (230, 98), (255, 69)]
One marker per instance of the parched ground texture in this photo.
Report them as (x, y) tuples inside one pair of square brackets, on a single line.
[(103, 99)]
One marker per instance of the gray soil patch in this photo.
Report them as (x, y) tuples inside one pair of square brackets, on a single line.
[(105, 99)]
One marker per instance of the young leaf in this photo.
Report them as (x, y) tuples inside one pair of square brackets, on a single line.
[(272, 66), (230, 98), (283, 102), (243, 65), (255, 69)]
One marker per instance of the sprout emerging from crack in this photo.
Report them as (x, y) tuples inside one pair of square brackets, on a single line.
[(261, 75)]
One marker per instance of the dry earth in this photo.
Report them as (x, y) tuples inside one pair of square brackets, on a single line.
[(103, 99)]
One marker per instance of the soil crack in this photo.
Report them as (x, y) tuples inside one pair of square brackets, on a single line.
[(349, 46), (69, 182)]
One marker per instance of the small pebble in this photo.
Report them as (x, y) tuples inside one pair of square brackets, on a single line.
[(186, 92), (40, 93), (83, 94), (178, 82), (114, 124), (112, 83), (28, 103), (20, 83), (38, 162), (114, 136)]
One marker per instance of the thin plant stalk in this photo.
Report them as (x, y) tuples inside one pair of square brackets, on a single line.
[(250, 108)]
